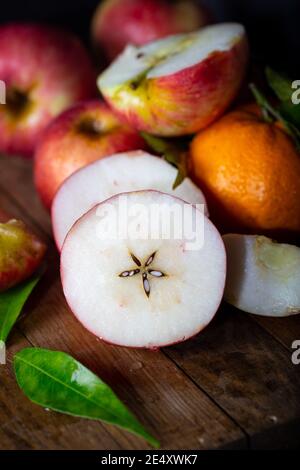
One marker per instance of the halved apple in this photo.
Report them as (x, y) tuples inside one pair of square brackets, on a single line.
[(180, 84), (140, 287), (122, 172)]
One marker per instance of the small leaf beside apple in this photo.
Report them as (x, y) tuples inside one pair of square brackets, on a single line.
[(274, 114), (55, 380), (11, 304), (173, 153), (281, 85)]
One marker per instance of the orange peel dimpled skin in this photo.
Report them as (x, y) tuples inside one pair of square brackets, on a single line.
[(249, 170)]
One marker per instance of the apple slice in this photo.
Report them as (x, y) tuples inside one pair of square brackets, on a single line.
[(138, 287), (122, 172), (263, 277), (21, 252), (180, 84)]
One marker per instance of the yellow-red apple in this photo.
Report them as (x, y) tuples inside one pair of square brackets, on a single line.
[(80, 135), (21, 252), (179, 84), (45, 70)]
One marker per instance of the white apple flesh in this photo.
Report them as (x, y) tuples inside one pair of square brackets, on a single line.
[(263, 277), (137, 291), (122, 172)]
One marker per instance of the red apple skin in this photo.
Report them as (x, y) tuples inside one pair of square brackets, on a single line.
[(117, 23), (51, 69), (3, 216), (21, 253), (186, 101), (82, 134)]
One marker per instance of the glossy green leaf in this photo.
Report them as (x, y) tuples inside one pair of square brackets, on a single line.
[(174, 152), (271, 114), (55, 380), (11, 304), (157, 144), (291, 112), (180, 161), (282, 86)]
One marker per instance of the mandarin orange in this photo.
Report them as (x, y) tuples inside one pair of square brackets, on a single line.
[(250, 172)]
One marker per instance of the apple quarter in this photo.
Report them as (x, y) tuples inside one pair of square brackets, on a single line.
[(263, 277)]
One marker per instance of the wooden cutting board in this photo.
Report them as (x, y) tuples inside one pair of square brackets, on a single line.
[(233, 386)]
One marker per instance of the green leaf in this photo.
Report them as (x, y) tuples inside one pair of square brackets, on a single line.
[(267, 110), (180, 162), (282, 86), (11, 304), (291, 112), (173, 153), (55, 380), (156, 143), (271, 114)]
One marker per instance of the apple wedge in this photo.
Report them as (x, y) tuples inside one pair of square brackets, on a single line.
[(134, 288), (180, 84), (263, 277), (122, 172), (21, 252)]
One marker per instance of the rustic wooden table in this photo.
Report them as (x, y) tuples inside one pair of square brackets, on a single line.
[(233, 386)]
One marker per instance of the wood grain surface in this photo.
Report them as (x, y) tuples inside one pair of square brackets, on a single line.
[(233, 386)]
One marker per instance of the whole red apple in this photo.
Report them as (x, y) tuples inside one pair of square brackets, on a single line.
[(80, 135), (3, 216), (45, 70), (117, 23)]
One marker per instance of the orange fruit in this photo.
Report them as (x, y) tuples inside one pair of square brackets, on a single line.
[(250, 172)]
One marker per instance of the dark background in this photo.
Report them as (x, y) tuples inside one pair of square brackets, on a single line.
[(273, 25)]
